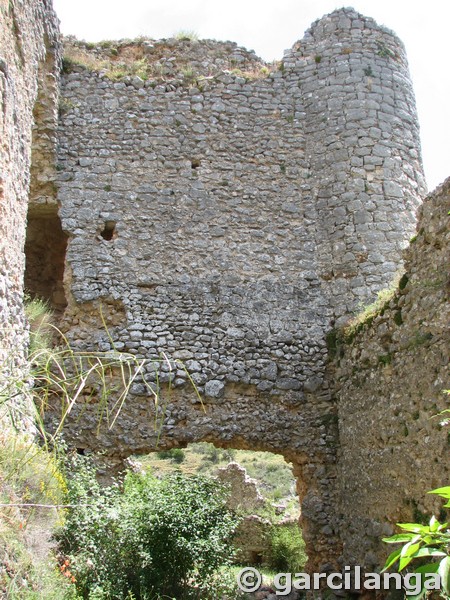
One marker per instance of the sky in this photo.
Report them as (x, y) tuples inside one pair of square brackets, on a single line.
[(269, 28)]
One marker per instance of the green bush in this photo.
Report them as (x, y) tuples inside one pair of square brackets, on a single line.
[(150, 539), (212, 454), (175, 454), (287, 549)]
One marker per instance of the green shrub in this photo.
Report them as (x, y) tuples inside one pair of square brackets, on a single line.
[(212, 454), (287, 549), (175, 454), (149, 539)]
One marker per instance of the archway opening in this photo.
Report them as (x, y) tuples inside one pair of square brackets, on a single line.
[(262, 491)]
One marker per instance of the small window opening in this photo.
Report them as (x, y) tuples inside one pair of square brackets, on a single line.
[(195, 163), (109, 230)]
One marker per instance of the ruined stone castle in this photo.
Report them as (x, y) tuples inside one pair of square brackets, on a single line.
[(230, 216)]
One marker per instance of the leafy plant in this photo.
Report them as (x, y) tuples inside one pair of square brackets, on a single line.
[(154, 537), (287, 549), (422, 543)]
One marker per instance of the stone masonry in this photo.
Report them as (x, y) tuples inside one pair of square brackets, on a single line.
[(220, 217), (229, 218), (391, 382), (29, 74)]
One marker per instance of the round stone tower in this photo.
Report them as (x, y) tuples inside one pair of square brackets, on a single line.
[(362, 142)]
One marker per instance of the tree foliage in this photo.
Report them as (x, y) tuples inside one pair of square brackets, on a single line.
[(148, 539)]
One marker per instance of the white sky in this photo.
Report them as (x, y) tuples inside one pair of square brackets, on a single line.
[(270, 27)]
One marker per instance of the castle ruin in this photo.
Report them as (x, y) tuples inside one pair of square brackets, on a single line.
[(232, 215)]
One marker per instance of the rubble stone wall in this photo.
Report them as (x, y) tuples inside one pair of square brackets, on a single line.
[(392, 377), (29, 74), (229, 214), (235, 218), (228, 219)]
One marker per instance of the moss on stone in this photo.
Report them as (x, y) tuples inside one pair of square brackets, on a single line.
[(398, 318), (403, 281)]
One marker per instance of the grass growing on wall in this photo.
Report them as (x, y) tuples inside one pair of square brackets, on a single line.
[(117, 60), (372, 310)]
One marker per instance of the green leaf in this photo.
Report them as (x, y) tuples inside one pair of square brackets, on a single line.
[(407, 553), (399, 537), (414, 527), (429, 568), (404, 562), (428, 539), (443, 491), (444, 572), (391, 559), (436, 525), (429, 552)]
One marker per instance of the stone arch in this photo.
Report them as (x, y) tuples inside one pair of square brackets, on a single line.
[(297, 213), (242, 419)]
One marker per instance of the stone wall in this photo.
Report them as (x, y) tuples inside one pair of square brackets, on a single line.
[(363, 149), (228, 213), (251, 541), (29, 71), (244, 493), (229, 218), (235, 217), (392, 448)]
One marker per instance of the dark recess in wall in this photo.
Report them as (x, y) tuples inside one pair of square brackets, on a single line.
[(45, 253)]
